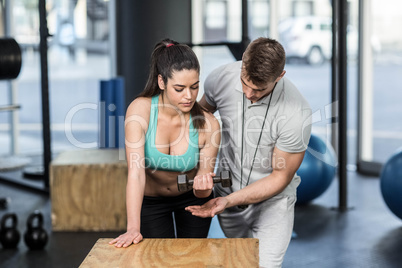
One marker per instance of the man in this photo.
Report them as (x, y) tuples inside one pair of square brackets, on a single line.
[(266, 127)]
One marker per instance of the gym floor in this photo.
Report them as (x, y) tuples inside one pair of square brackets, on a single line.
[(366, 235)]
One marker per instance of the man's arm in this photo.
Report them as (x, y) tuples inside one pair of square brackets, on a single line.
[(203, 102), (284, 166)]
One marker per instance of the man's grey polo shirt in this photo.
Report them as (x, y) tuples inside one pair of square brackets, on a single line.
[(287, 126)]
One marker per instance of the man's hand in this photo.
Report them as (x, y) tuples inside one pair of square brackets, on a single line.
[(210, 209)]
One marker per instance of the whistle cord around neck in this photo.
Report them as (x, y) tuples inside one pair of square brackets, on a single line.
[(258, 142)]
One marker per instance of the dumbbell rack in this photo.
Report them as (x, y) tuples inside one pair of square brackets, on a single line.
[(12, 108), (12, 161), (11, 165), (4, 201), (42, 172), (10, 66)]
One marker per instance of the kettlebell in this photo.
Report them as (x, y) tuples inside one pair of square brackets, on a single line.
[(35, 237), (9, 236)]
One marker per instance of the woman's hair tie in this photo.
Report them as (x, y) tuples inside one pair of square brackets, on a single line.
[(169, 45)]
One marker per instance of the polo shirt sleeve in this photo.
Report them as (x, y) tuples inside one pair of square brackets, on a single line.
[(211, 86), (295, 131)]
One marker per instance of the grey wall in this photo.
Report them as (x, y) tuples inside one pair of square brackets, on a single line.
[(140, 25)]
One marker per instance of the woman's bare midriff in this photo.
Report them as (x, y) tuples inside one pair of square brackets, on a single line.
[(164, 183)]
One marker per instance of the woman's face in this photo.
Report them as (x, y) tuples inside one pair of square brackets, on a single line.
[(181, 90)]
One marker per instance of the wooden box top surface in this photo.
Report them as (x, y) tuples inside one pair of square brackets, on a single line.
[(91, 156), (225, 252)]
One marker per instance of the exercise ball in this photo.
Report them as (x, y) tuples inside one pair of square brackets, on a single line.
[(391, 183), (317, 170)]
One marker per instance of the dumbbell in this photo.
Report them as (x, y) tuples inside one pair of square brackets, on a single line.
[(185, 184)]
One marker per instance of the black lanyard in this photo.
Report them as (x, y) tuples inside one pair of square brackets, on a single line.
[(258, 143)]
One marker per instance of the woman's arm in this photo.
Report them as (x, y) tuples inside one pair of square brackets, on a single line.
[(203, 182), (135, 128)]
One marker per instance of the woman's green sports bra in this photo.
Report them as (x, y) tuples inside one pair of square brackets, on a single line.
[(154, 159)]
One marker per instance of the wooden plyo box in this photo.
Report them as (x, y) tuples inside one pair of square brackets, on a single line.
[(226, 252), (88, 190)]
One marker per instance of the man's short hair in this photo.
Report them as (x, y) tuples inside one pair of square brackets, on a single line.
[(264, 60)]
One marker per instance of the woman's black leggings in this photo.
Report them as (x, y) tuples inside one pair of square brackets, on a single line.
[(160, 216)]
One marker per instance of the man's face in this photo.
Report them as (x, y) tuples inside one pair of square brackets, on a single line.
[(253, 92)]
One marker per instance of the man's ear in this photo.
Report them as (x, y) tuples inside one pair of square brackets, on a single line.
[(161, 84), (281, 76)]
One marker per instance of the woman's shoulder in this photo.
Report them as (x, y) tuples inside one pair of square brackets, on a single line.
[(140, 105), (138, 113)]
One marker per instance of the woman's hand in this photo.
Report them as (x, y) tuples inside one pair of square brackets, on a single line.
[(203, 184), (132, 236)]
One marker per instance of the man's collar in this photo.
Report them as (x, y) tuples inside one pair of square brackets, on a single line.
[(265, 100)]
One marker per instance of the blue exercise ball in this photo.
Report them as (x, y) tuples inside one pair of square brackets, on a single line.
[(317, 170), (391, 183)]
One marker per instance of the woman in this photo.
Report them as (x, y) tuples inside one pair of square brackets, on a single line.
[(168, 133)]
